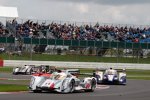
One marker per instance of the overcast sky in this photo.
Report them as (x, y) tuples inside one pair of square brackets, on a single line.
[(103, 11)]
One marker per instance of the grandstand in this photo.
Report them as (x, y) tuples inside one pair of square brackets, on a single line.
[(79, 33), (97, 32)]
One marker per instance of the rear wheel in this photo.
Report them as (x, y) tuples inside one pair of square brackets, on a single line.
[(29, 73), (93, 86)]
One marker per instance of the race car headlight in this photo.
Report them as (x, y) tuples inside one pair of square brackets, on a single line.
[(115, 77), (99, 79), (121, 80)]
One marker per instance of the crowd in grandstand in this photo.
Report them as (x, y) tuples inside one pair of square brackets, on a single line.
[(3, 30), (76, 32)]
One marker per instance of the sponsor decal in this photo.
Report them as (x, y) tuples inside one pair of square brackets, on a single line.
[(88, 85)]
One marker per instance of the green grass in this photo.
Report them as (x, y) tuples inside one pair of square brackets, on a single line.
[(138, 78), (6, 69), (77, 58), (12, 88), (20, 81), (136, 72)]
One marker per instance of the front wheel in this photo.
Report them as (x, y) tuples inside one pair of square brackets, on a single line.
[(70, 87), (14, 73)]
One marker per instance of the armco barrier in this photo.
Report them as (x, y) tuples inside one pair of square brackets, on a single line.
[(83, 43), (14, 63)]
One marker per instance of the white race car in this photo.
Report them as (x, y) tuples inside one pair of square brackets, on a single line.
[(26, 69), (62, 82), (110, 76)]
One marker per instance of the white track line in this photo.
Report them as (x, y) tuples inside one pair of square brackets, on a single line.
[(102, 87), (12, 79), (13, 92)]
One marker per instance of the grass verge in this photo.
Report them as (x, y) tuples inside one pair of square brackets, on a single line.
[(12, 88), (138, 78), (6, 69)]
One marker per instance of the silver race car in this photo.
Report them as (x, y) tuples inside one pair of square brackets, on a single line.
[(31, 69), (62, 82), (26, 69), (110, 76)]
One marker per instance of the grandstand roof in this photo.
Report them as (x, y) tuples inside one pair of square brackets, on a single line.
[(8, 11)]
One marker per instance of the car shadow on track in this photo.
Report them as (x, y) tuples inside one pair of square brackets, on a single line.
[(54, 92)]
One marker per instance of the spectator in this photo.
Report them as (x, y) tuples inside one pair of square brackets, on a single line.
[(65, 31)]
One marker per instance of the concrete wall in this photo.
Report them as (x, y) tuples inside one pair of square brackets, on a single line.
[(14, 63)]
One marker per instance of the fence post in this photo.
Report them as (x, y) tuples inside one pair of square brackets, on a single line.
[(117, 52), (147, 47), (132, 52)]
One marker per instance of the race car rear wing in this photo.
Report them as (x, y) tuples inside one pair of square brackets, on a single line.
[(72, 71)]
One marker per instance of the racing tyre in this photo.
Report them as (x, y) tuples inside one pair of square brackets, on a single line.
[(29, 73), (72, 86), (70, 89), (15, 73), (93, 86)]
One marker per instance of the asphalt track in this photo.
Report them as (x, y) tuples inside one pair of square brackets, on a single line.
[(134, 90)]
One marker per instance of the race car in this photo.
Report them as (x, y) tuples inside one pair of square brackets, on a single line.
[(31, 69), (62, 82), (110, 76), (41, 69), (26, 70)]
